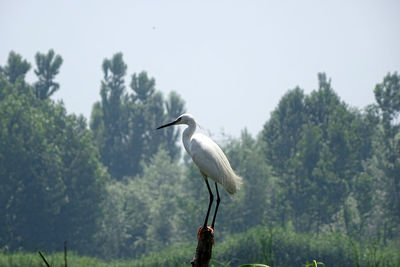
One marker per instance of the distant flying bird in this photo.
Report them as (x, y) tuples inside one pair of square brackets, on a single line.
[(210, 160)]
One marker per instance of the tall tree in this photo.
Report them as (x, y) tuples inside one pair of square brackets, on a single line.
[(387, 95), (30, 174), (175, 106), (47, 67), (240, 213), (283, 130), (50, 174), (146, 112), (149, 110), (108, 115), (313, 144), (282, 135), (85, 180), (124, 123), (16, 67)]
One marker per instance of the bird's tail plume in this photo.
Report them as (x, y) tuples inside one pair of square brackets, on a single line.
[(233, 183)]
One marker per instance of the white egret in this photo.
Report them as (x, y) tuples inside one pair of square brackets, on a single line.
[(210, 160)]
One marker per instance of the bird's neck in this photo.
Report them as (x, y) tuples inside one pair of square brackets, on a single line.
[(187, 135)]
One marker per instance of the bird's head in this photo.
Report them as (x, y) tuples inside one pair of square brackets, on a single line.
[(182, 119)]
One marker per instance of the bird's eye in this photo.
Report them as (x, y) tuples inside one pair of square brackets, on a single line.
[(179, 119)]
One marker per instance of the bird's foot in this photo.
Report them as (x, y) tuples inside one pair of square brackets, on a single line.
[(209, 229)]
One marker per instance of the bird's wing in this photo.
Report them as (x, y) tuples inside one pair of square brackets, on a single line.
[(208, 157)]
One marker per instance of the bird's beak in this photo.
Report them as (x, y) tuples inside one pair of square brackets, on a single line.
[(169, 124)]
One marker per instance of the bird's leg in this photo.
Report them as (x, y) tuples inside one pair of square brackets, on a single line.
[(209, 204), (216, 207)]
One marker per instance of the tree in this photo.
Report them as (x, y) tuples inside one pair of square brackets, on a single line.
[(283, 130), (123, 226), (159, 185), (313, 144), (108, 121), (287, 137), (146, 112), (301, 191), (175, 106), (50, 173), (85, 181), (248, 207), (16, 67), (30, 174), (143, 212), (47, 67), (124, 123), (387, 95)]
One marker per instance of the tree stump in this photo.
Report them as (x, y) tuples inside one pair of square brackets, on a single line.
[(203, 252)]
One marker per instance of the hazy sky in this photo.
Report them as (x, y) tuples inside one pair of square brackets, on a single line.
[(231, 61)]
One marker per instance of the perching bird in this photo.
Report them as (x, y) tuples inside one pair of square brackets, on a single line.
[(210, 160)]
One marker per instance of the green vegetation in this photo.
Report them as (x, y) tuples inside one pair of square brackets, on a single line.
[(270, 246), (321, 180)]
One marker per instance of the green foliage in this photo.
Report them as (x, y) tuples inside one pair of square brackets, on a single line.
[(247, 208), (293, 249), (142, 211), (24, 259), (316, 145), (315, 264), (16, 68), (387, 95), (174, 107), (123, 122), (49, 171), (107, 116), (283, 130), (35, 191), (48, 66), (321, 181), (270, 246)]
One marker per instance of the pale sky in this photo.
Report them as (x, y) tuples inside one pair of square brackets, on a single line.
[(231, 61)]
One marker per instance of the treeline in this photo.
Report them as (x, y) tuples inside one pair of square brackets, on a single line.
[(56, 173), (337, 167), (115, 188)]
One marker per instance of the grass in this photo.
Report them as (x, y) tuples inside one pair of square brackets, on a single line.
[(272, 247), (28, 259)]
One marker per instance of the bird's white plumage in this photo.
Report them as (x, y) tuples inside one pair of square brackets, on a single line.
[(212, 162), (208, 156)]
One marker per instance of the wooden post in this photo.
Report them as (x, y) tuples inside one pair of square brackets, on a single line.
[(203, 252)]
